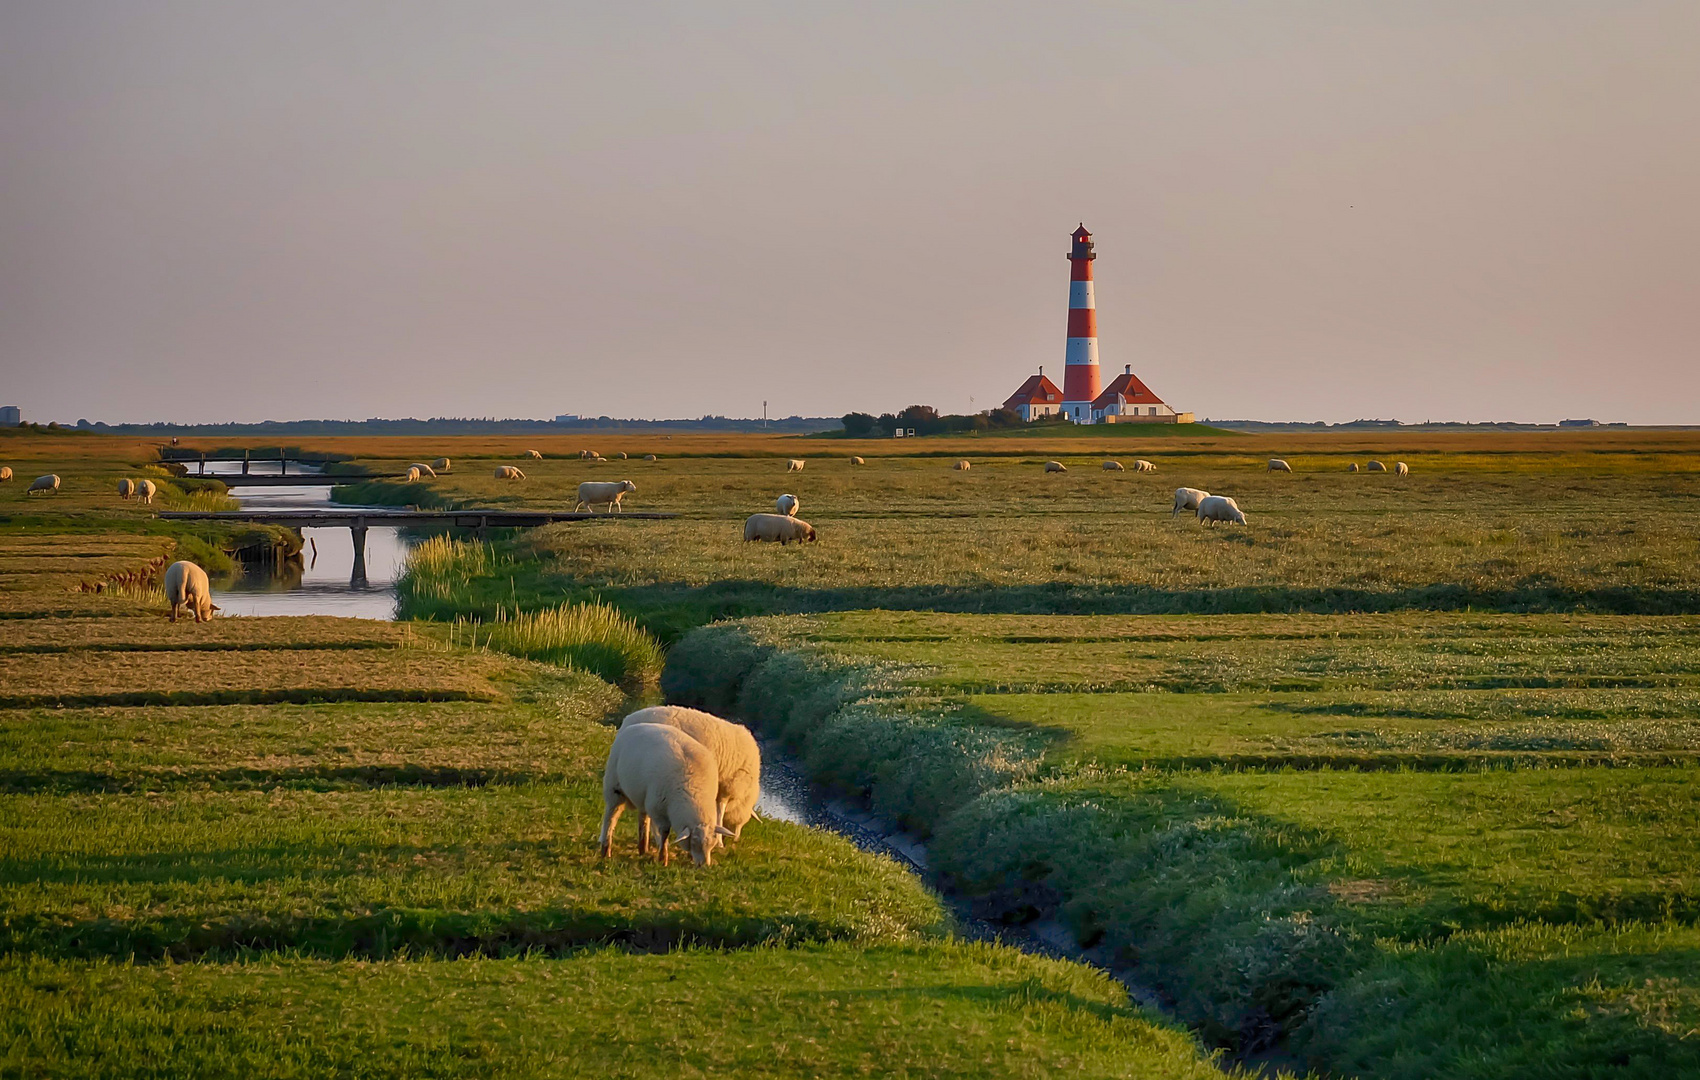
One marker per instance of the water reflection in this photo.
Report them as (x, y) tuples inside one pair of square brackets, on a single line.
[(329, 580)]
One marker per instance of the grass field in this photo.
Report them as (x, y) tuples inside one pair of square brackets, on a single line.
[(1278, 818), (316, 847)]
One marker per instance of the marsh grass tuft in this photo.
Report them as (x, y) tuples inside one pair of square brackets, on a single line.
[(585, 637)]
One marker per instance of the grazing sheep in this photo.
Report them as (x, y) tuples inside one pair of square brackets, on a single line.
[(794, 465), (1352, 467), (126, 488), (1375, 466), (509, 472), (621, 455), (1142, 465), (672, 781), (649, 457), (735, 752), (780, 527), (410, 475), (186, 586), (441, 464), (1214, 508), (591, 493), (534, 455), (146, 490), (1055, 466), (963, 466), (1113, 466), (424, 469), (48, 483), (1188, 499), (1277, 465), (857, 460), (586, 455), (787, 505), (1401, 469), (5, 473)]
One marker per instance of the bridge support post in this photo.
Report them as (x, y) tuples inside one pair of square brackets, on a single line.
[(244, 463), (203, 463), (357, 530)]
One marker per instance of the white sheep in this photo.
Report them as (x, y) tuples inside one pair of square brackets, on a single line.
[(126, 488), (441, 464), (509, 472), (5, 473), (963, 465), (1113, 466), (48, 483), (1352, 467), (1277, 465), (1188, 499), (410, 475), (534, 455), (621, 455), (787, 505), (778, 527), (649, 457), (794, 465), (424, 469), (1401, 469), (735, 753), (1055, 466), (1214, 508), (672, 781), (857, 459), (586, 455), (186, 585), (146, 490), (1375, 466), (592, 493), (1142, 465)]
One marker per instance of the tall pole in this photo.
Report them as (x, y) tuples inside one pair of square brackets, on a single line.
[(1080, 366)]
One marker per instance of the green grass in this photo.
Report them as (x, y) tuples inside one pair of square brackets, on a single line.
[(933, 1010), (1269, 817)]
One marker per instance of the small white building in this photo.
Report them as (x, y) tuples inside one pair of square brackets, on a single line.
[(1037, 397)]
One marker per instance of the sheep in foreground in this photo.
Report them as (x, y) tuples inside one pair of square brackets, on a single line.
[(1352, 467), (963, 465), (857, 460), (672, 781), (48, 483), (441, 464), (186, 586), (509, 472), (5, 473), (1277, 465), (534, 455), (778, 527), (1055, 466), (1144, 466), (1375, 466), (1401, 469), (1214, 508), (735, 753), (146, 490), (424, 469), (1188, 499), (1113, 466), (787, 505), (649, 457), (410, 475), (794, 465), (126, 488), (593, 493)]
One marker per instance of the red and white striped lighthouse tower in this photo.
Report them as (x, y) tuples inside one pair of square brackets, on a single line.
[(1080, 368)]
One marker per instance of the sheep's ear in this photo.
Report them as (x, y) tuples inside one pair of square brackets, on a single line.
[(721, 830)]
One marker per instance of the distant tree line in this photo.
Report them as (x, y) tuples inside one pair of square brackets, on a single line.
[(926, 420)]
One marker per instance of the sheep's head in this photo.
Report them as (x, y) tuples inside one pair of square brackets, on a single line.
[(627, 485), (701, 840), (810, 533)]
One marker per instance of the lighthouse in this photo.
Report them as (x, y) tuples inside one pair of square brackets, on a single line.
[(1080, 366)]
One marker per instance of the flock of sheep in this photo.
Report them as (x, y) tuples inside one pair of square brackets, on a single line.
[(690, 776)]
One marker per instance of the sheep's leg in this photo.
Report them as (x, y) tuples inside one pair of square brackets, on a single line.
[(665, 854), (643, 833), (610, 818)]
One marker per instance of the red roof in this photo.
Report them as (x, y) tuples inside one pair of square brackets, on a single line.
[(1129, 387), (1037, 390)]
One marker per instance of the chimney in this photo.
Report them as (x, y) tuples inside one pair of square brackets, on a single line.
[(1127, 369)]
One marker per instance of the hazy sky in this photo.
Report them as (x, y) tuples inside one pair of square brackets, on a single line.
[(240, 211)]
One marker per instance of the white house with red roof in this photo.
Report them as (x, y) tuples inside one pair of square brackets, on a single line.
[(1127, 399), (1037, 397)]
